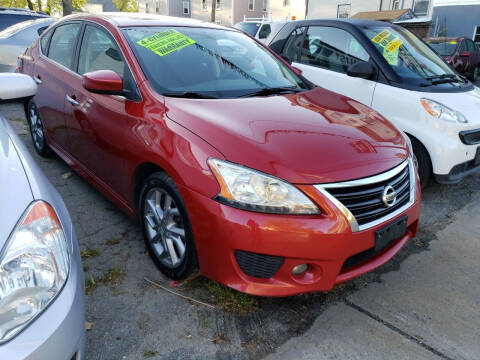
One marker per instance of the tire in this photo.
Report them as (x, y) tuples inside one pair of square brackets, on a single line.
[(475, 74), (424, 164), (36, 130), (166, 237)]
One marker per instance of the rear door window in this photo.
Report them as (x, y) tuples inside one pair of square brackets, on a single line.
[(44, 42), (63, 43), (331, 48)]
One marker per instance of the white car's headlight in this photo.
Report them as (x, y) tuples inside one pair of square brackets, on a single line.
[(441, 112), (34, 265), (252, 190)]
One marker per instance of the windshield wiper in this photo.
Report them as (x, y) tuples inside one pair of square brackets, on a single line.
[(442, 79), (189, 94), (442, 76), (273, 91)]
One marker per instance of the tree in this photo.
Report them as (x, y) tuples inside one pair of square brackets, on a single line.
[(214, 5), (53, 6), (126, 5)]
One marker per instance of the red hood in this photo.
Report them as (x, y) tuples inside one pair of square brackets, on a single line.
[(312, 137)]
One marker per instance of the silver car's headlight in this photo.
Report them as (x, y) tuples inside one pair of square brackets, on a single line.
[(442, 112), (252, 190), (34, 265)]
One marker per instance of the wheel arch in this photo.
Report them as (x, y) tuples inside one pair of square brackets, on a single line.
[(143, 171)]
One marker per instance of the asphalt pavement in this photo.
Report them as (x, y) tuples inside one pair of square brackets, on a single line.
[(424, 304)]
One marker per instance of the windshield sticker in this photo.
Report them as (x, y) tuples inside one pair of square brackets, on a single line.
[(453, 42), (380, 36), (166, 42), (391, 57), (393, 45)]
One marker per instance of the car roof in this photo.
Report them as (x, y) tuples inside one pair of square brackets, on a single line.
[(135, 19), (18, 11), (354, 22)]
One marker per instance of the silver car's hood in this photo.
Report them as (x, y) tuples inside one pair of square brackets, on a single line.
[(14, 186)]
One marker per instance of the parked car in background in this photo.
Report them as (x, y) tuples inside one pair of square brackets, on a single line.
[(42, 313), (462, 53), (231, 161), (388, 68), (11, 16), (15, 39), (260, 28)]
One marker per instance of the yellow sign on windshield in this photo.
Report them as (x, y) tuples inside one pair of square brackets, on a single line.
[(393, 45), (380, 36), (166, 42)]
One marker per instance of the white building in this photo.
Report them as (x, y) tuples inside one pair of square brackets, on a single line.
[(180, 8)]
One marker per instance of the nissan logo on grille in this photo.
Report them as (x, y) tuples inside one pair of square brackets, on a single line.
[(389, 196)]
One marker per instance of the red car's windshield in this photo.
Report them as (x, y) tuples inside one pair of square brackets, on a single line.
[(214, 63), (443, 47)]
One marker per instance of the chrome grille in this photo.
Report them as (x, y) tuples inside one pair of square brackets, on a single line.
[(362, 200)]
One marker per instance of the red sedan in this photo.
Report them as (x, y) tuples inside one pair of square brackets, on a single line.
[(232, 161), (461, 53)]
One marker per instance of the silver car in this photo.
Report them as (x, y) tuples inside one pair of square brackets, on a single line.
[(15, 39), (42, 297)]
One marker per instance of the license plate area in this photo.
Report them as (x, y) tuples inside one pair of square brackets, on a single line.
[(389, 233)]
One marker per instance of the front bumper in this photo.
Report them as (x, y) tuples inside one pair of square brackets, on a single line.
[(58, 333), (459, 171), (324, 242)]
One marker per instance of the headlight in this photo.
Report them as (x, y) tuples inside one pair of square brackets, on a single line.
[(439, 111), (34, 265), (255, 191)]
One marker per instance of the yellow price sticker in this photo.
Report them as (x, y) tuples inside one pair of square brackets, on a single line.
[(393, 45), (453, 42), (166, 42), (380, 36)]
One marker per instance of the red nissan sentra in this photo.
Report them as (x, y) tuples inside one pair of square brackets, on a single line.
[(231, 160)]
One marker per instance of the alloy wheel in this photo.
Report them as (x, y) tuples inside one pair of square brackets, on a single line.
[(164, 227), (36, 128)]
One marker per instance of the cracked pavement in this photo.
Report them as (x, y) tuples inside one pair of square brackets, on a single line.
[(424, 304)]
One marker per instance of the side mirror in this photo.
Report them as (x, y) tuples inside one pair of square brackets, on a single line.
[(103, 82), (361, 69), (465, 54), (286, 58), (16, 86)]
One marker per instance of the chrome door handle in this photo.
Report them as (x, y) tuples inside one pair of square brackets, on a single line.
[(71, 101), (37, 80)]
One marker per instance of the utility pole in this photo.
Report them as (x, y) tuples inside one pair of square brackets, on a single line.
[(214, 5)]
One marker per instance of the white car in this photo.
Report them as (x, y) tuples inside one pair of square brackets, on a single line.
[(261, 28), (389, 69), (42, 293), (15, 39)]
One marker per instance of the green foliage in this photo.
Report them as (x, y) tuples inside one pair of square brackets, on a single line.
[(53, 6), (125, 5), (13, 3)]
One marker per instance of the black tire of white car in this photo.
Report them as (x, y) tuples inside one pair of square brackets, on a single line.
[(36, 130), (160, 182), (424, 164)]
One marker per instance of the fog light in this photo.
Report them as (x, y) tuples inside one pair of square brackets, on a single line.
[(299, 269)]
